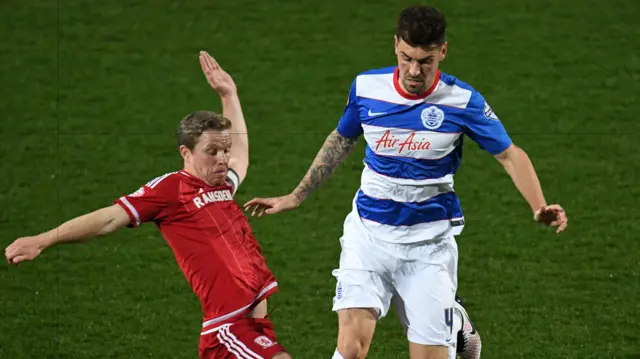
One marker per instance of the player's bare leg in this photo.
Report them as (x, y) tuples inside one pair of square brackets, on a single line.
[(420, 351), (282, 356), (260, 310), (355, 332)]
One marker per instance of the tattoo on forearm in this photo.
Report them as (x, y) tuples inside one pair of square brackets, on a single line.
[(333, 152)]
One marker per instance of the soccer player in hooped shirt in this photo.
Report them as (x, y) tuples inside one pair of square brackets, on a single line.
[(209, 234), (399, 240)]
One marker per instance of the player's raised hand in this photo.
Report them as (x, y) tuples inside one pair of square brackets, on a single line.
[(552, 215), (271, 205), (24, 249), (218, 79)]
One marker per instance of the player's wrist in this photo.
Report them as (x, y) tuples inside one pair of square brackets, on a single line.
[(537, 211), (297, 197), (46, 239), (537, 208), (229, 96)]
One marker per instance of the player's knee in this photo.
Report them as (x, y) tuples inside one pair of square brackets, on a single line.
[(352, 348), (356, 327)]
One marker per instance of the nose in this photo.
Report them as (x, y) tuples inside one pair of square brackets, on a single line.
[(222, 158), (414, 69)]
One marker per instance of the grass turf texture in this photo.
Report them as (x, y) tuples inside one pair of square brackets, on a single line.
[(91, 93)]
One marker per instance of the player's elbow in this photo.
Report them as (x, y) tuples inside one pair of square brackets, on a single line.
[(240, 165), (111, 219), (107, 228), (513, 158), (510, 154)]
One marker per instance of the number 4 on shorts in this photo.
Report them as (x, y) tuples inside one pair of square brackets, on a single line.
[(448, 318)]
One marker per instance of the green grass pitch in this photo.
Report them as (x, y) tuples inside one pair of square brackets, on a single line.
[(93, 90)]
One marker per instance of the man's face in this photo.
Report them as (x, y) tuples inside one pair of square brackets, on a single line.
[(209, 159), (418, 66)]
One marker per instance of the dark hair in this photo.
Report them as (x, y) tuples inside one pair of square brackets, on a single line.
[(194, 124), (421, 26)]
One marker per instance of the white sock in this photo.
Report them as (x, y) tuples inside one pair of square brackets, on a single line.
[(336, 355)]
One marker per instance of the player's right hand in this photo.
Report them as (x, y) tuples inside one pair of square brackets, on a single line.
[(271, 205), (24, 249), (218, 79), (552, 215)]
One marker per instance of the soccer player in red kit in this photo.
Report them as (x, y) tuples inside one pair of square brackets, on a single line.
[(209, 234)]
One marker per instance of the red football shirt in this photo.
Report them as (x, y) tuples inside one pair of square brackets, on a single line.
[(210, 238)]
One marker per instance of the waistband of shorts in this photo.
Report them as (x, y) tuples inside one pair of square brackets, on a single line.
[(213, 324)]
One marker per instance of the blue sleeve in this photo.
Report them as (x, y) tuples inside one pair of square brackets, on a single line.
[(483, 126), (349, 125)]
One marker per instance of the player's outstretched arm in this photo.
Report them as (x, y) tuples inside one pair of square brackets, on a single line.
[(98, 223), (517, 164), (221, 82), (334, 151), (239, 156)]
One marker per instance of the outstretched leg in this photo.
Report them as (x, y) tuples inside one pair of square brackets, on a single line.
[(355, 332)]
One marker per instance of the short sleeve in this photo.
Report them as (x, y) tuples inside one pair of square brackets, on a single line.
[(350, 125), (147, 203), (483, 126)]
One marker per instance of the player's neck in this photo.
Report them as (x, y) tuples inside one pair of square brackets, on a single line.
[(193, 173), (403, 91)]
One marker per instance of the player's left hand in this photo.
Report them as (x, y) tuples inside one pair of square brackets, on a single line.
[(262, 206), (24, 249), (219, 80), (552, 215)]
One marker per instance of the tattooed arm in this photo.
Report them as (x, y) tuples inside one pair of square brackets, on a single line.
[(334, 151), (336, 148)]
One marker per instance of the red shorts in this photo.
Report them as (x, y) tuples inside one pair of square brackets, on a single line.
[(246, 338)]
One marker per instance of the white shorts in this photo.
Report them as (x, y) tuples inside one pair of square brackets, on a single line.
[(420, 277)]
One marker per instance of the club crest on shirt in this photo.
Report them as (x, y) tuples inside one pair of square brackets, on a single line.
[(264, 342), (488, 112), (138, 193), (432, 117)]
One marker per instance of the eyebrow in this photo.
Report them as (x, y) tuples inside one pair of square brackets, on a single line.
[(419, 60)]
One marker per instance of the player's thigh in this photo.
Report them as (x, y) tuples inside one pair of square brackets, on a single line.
[(363, 278), (282, 356), (355, 331), (259, 311), (426, 288), (419, 351)]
